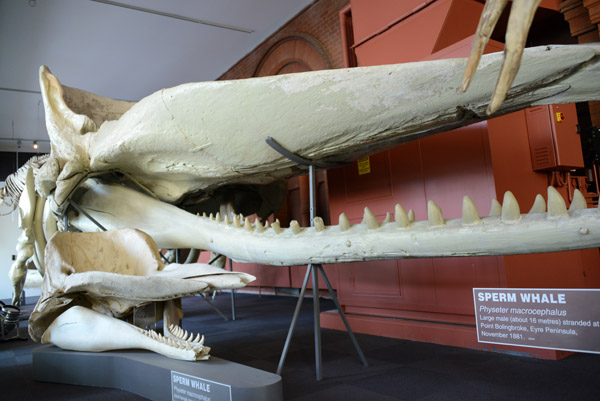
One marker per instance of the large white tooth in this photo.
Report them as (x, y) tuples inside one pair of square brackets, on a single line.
[(171, 326), (510, 207), (344, 223), (247, 225), (191, 337), (578, 202), (434, 214), (411, 216), (495, 209), (258, 225), (318, 224), (236, 221), (370, 220), (197, 339), (185, 334), (556, 203), (276, 227), (227, 219), (218, 217), (400, 216), (519, 21), (388, 218), (203, 214), (211, 216), (202, 341), (539, 205), (470, 215), (489, 17), (295, 227)]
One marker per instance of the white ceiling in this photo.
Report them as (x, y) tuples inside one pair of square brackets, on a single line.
[(119, 52)]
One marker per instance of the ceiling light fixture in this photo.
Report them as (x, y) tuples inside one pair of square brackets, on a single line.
[(35, 145)]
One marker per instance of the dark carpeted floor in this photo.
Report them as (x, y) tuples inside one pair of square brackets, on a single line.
[(398, 370)]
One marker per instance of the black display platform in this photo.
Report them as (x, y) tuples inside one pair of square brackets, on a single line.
[(157, 377)]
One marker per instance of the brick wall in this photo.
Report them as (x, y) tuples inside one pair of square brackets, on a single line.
[(320, 20)]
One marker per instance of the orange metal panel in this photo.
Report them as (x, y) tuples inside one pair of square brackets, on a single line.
[(372, 19), (411, 40), (460, 22), (541, 141), (553, 137), (568, 142), (416, 37)]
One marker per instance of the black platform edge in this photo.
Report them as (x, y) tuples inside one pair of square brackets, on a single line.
[(156, 377)]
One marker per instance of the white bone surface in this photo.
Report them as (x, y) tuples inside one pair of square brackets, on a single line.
[(109, 273), (82, 329), (506, 232), (201, 136), (26, 242)]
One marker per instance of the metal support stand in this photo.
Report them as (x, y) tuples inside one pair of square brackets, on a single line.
[(205, 298), (313, 270), (232, 294), (9, 323)]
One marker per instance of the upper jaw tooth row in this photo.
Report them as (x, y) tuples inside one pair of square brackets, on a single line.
[(509, 211)]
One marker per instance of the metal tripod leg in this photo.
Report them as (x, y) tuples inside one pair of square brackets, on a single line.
[(205, 298), (343, 316), (317, 322), (294, 320), (315, 277), (232, 294)]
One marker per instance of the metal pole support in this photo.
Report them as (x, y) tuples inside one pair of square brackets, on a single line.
[(314, 270)]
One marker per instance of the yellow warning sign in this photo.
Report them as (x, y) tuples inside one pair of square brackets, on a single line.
[(364, 166)]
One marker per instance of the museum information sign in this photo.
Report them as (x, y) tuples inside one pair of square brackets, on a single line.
[(189, 388), (567, 319)]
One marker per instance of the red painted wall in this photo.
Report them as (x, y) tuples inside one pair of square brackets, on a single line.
[(310, 41), (482, 161)]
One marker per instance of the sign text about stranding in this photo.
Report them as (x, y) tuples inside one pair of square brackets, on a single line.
[(564, 319)]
